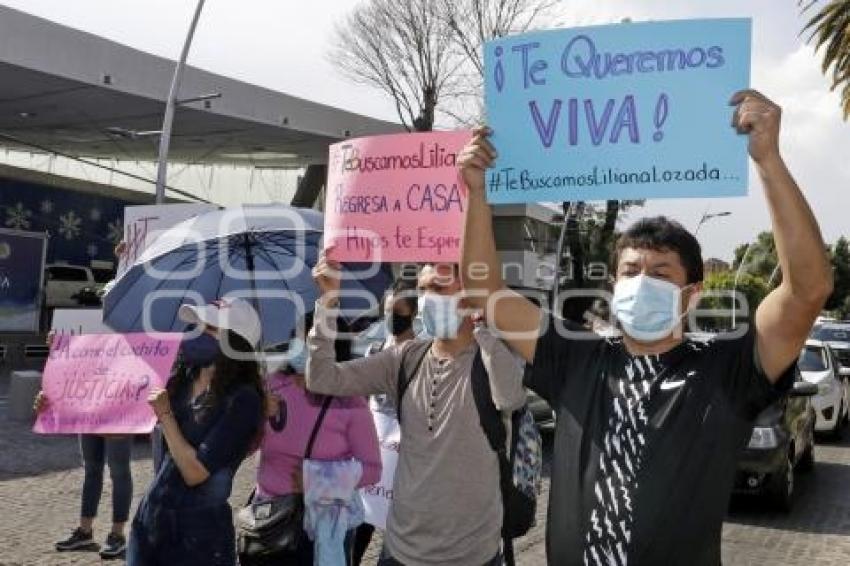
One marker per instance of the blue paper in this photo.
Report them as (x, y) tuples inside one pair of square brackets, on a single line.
[(622, 111)]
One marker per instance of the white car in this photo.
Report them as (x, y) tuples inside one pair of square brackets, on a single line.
[(819, 366), (63, 282), (837, 335)]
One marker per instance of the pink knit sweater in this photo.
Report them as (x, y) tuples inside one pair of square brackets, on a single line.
[(347, 431)]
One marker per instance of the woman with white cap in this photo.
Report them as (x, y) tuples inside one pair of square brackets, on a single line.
[(211, 416)]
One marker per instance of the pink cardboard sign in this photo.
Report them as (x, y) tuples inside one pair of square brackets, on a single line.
[(99, 383), (396, 198)]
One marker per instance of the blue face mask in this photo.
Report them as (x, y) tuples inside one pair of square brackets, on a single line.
[(200, 351), (440, 315), (296, 355), (647, 308)]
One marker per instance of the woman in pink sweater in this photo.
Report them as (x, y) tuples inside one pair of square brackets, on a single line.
[(347, 431)]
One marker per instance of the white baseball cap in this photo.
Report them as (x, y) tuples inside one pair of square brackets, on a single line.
[(236, 315)]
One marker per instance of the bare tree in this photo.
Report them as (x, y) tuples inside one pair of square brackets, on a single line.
[(402, 47), (426, 55), (474, 22)]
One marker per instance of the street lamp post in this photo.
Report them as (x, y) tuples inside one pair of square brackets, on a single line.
[(773, 275), (170, 104), (706, 217), (735, 283)]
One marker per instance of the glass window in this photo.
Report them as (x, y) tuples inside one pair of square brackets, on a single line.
[(525, 234), (102, 275), (509, 233), (67, 274), (832, 333), (813, 358)]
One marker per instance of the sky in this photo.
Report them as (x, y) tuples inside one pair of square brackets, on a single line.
[(284, 44)]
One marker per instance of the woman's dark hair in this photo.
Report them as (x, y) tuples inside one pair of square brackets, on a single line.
[(342, 346), (659, 233), (230, 373), (405, 290)]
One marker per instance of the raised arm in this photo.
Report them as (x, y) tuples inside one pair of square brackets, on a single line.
[(785, 317), (361, 377), (504, 369), (514, 316), (227, 441)]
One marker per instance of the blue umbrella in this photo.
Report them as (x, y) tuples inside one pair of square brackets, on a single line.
[(261, 253)]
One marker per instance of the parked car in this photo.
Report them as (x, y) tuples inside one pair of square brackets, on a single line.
[(64, 282), (820, 366), (837, 335), (781, 443)]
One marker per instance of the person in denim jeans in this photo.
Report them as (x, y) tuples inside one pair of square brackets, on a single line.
[(97, 450), (211, 416)]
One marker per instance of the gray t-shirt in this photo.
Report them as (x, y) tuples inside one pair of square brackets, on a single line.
[(447, 507)]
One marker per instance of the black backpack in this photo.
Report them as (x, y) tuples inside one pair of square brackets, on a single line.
[(520, 469)]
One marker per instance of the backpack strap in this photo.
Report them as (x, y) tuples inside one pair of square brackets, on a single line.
[(419, 349), (497, 436), (326, 404), (488, 414)]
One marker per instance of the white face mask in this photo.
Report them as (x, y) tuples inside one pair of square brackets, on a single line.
[(647, 308), (440, 315), (296, 355)]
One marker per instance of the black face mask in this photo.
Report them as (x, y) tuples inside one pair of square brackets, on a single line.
[(200, 351), (398, 323)]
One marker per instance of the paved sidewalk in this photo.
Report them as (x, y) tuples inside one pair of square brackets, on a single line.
[(41, 478), (40, 483)]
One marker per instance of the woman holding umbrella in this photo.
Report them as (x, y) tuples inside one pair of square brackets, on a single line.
[(211, 417)]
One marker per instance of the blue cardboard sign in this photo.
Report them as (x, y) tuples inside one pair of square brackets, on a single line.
[(622, 111)]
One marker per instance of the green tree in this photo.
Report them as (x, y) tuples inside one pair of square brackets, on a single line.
[(718, 295), (754, 287), (843, 311), (830, 28), (759, 256), (840, 258)]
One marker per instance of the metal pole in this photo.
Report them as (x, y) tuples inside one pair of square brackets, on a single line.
[(735, 284), (702, 220), (706, 217), (170, 104), (562, 239), (772, 276)]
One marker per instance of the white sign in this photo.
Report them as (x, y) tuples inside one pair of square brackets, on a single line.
[(378, 498), (142, 224), (79, 321)]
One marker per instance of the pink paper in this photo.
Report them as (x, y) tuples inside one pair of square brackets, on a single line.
[(99, 383), (396, 198)]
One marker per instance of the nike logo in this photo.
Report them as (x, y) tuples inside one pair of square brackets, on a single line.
[(665, 385)]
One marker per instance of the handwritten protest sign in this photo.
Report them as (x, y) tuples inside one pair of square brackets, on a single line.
[(396, 198), (377, 498), (142, 224), (624, 111), (99, 383)]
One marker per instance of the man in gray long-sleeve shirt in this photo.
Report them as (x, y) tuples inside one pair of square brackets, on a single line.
[(447, 506)]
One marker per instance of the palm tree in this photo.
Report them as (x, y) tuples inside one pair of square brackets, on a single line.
[(830, 27)]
